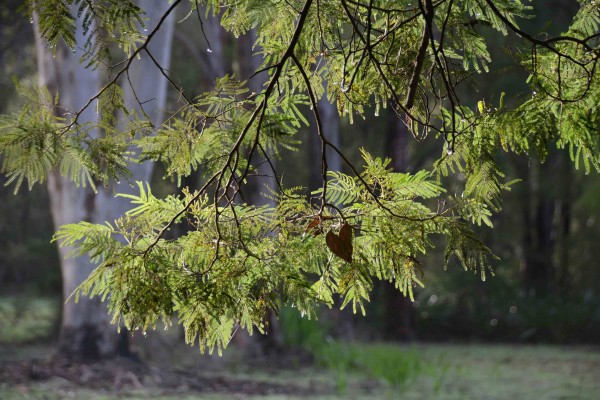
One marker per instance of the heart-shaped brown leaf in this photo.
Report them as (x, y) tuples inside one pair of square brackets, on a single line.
[(346, 234), (341, 245)]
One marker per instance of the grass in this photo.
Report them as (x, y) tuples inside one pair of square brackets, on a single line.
[(509, 371), (393, 365), (377, 371), (27, 319), (388, 363), (456, 372)]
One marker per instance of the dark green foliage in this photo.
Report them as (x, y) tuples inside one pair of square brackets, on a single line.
[(455, 308)]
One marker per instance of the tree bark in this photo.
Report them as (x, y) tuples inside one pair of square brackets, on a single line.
[(539, 238), (399, 313), (86, 329), (246, 64)]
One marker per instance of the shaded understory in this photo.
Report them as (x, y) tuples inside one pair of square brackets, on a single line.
[(449, 371), (312, 366)]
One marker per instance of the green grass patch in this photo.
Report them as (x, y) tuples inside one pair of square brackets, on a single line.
[(27, 319), (499, 372), (389, 363)]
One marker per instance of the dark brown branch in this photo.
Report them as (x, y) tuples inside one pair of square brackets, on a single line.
[(259, 111), (379, 68), (421, 53), (202, 26), (168, 78), (325, 143)]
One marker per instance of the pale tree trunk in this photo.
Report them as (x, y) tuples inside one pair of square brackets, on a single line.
[(86, 331), (150, 87)]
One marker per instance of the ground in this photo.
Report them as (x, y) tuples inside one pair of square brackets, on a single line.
[(451, 371), (170, 370)]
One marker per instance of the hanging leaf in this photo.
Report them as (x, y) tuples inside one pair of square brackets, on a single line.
[(346, 235), (314, 227), (341, 245)]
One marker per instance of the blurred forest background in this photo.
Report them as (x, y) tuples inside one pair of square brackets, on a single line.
[(546, 287)]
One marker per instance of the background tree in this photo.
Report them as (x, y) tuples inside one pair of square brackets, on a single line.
[(86, 329)]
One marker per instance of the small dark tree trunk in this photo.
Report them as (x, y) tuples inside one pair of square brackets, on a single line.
[(563, 280), (547, 221), (533, 220), (399, 312), (330, 121)]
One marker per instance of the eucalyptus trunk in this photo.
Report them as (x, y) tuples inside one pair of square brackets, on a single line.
[(86, 330)]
